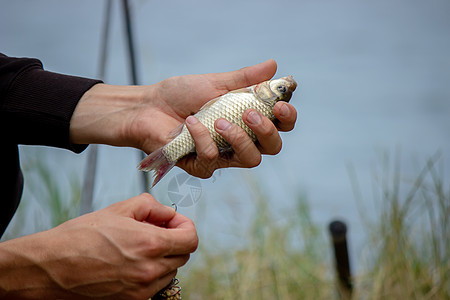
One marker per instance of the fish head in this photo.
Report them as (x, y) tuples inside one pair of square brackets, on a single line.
[(283, 87), (276, 90)]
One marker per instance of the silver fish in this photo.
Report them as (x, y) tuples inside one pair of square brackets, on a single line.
[(231, 106)]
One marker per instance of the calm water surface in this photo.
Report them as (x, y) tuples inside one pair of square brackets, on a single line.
[(373, 78)]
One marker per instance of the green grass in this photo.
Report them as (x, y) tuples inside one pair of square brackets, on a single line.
[(408, 242), (46, 202), (407, 253), (271, 266)]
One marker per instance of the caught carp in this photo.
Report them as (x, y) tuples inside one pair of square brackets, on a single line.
[(231, 106)]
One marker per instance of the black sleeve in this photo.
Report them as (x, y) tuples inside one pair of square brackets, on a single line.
[(11, 184), (35, 108), (36, 105)]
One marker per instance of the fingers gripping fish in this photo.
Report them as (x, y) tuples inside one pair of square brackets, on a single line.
[(231, 106)]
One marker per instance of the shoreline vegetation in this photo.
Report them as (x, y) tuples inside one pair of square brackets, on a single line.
[(406, 254)]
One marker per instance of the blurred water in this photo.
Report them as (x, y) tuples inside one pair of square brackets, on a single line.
[(374, 75)]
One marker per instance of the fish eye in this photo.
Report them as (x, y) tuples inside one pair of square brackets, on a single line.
[(282, 89)]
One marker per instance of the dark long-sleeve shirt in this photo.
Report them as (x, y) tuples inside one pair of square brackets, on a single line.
[(35, 109)]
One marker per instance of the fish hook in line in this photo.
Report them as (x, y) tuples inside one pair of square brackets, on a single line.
[(174, 205)]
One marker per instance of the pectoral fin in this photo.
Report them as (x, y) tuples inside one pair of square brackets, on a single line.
[(263, 92), (209, 103)]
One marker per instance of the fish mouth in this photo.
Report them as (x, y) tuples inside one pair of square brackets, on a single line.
[(291, 83)]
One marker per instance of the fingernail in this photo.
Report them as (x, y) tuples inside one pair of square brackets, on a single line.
[(222, 124), (284, 110), (191, 120), (253, 118)]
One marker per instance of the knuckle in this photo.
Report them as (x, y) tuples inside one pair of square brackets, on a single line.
[(205, 171), (153, 246), (142, 199), (135, 295), (193, 244), (183, 260), (244, 140), (257, 161), (278, 148), (275, 148), (209, 153), (265, 129), (200, 131), (142, 273), (146, 274), (145, 201), (237, 136), (192, 239), (254, 161), (147, 197)]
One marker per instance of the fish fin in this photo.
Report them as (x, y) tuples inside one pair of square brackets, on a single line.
[(158, 162), (248, 89), (209, 103), (176, 131), (212, 101), (268, 97), (263, 92)]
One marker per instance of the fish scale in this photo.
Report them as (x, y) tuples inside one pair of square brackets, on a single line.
[(231, 106)]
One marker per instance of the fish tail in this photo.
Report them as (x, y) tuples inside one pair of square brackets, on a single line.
[(158, 162)]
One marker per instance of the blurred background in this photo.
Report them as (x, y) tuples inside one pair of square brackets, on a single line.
[(373, 103)]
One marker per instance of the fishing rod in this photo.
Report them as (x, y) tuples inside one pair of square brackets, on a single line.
[(145, 179)]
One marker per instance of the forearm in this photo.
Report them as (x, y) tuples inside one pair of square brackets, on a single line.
[(71, 261), (104, 112), (22, 274), (119, 252)]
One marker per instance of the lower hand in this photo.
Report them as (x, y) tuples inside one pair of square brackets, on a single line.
[(129, 250)]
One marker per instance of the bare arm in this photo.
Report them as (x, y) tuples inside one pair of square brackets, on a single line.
[(129, 250), (143, 117)]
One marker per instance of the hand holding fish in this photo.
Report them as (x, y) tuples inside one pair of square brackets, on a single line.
[(146, 120), (133, 248)]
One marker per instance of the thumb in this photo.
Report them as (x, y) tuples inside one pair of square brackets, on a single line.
[(143, 208), (246, 76)]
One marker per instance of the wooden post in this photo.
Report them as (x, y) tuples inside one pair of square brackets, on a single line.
[(338, 232)]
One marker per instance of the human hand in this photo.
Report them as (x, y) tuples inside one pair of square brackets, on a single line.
[(129, 250), (143, 117), (183, 96)]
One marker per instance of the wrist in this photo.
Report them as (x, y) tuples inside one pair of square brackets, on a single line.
[(104, 113), (22, 274)]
